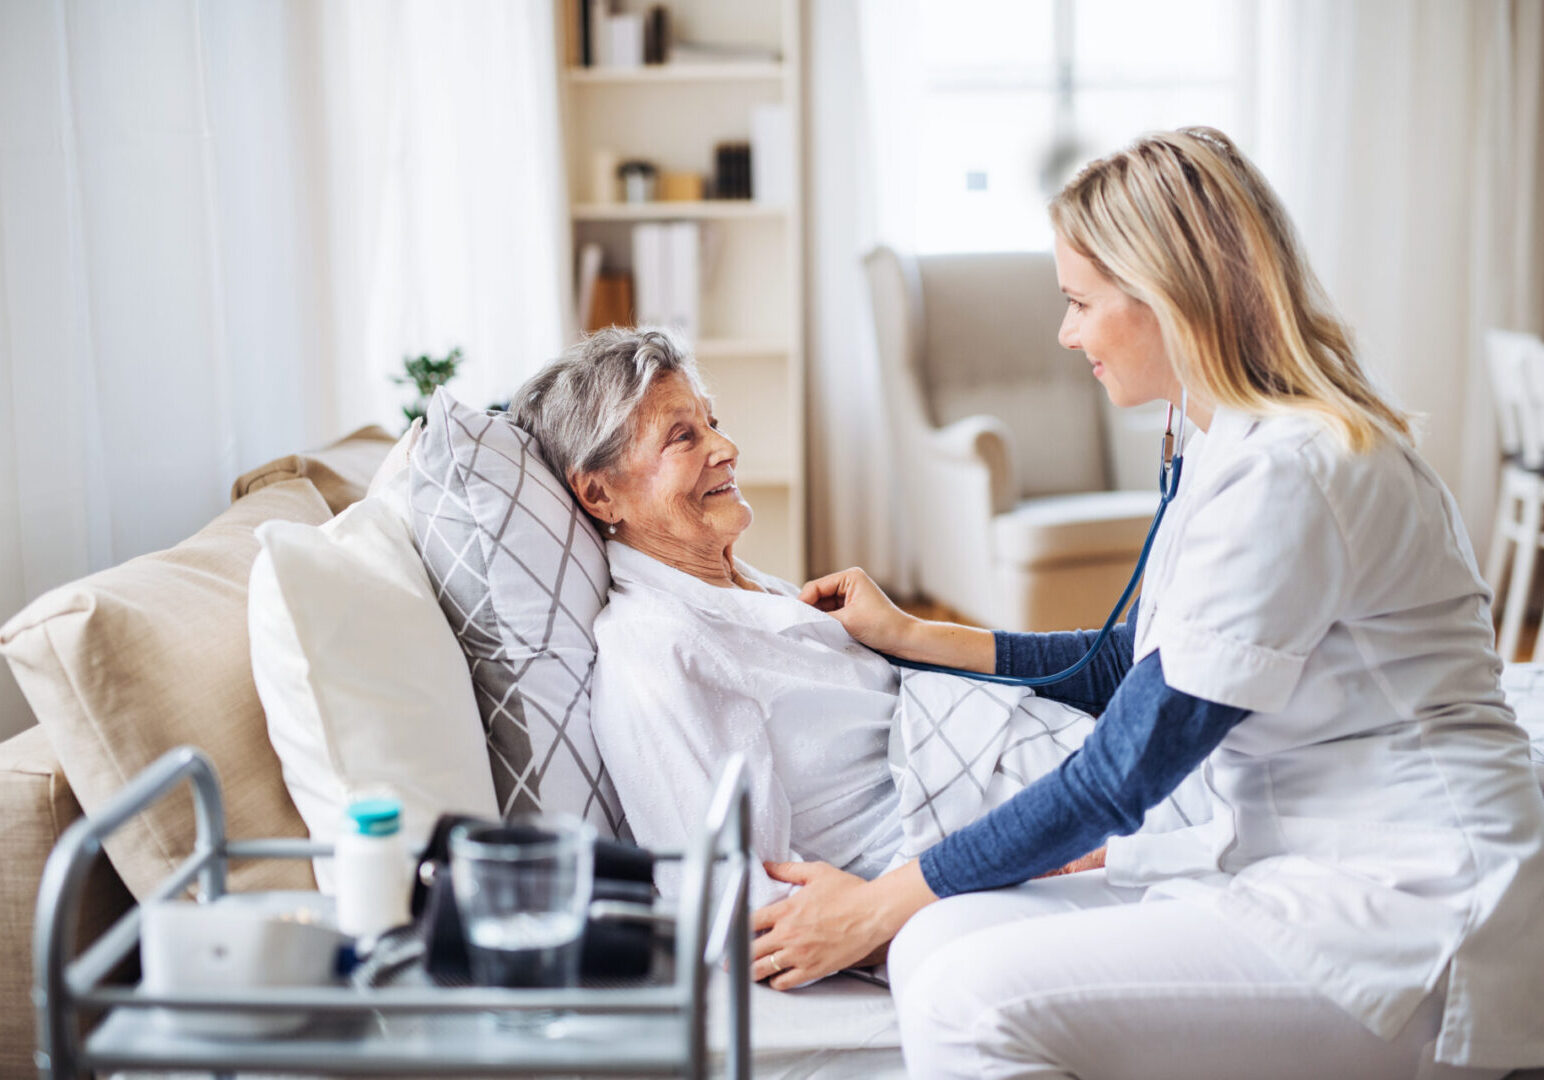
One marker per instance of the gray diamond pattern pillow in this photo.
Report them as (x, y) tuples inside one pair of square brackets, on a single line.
[(521, 574)]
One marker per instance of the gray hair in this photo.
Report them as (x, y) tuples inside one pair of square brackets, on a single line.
[(582, 408)]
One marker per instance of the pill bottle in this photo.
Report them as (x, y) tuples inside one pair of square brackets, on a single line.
[(371, 869)]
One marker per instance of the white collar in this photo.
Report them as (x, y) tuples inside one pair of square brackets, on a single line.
[(631, 567), (1229, 426)]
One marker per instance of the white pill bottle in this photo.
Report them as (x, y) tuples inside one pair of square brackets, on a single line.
[(370, 863)]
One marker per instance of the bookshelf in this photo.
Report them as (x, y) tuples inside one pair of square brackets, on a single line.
[(750, 338)]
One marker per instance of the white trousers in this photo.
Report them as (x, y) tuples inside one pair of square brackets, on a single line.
[(1072, 977)]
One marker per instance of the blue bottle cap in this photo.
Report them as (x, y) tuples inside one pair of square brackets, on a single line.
[(375, 817)]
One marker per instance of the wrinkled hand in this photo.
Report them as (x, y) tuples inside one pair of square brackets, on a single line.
[(1094, 860), (835, 921), (862, 607)]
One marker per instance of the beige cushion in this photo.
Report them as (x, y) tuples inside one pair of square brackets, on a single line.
[(125, 664), (1090, 527), (340, 471), (36, 805)]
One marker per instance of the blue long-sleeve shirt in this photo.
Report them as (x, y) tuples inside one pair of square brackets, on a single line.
[(1148, 739)]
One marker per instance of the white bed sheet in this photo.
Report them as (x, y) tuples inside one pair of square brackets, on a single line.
[(838, 1029)]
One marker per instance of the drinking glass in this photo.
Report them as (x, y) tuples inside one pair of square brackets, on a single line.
[(523, 889)]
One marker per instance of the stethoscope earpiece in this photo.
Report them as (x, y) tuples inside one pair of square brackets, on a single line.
[(1173, 450)]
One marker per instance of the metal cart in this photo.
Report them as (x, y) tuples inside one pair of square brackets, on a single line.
[(653, 1029)]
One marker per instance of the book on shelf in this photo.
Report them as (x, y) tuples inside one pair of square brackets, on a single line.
[(612, 39), (624, 40), (732, 170), (656, 35), (576, 17), (685, 278), (590, 259), (613, 303), (596, 35), (772, 155), (667, 275)]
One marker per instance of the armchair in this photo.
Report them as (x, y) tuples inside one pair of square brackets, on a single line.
[(1010, 456)]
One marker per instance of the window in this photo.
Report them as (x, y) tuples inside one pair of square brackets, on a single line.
[(1017, 93)]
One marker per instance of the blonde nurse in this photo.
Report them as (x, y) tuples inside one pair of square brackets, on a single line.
[(1367, 899)]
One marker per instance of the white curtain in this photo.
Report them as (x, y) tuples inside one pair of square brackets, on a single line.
[(1407, 139), (221, 227), (446, 195), (859, 121)]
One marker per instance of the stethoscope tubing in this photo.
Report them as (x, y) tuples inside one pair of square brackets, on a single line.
[(1104, 632), (1168, 486)]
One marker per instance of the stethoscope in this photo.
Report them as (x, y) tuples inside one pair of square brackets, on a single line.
[(1171, 461)]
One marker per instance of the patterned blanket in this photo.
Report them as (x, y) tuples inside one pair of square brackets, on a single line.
[(960, 747)]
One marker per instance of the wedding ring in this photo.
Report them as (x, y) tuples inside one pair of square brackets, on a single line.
[(777, 965)]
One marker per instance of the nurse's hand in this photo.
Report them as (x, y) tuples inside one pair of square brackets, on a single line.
[(866, 612), (851, 597), (835, 921)]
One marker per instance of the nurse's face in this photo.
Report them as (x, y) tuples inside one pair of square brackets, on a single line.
[(1118, 334)]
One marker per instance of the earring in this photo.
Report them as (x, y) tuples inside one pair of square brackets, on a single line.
[(612, 529)]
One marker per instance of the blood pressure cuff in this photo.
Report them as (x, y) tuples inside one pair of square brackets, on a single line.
[(610, 949)]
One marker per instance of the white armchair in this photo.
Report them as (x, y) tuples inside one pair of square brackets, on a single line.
[(1009, 454)]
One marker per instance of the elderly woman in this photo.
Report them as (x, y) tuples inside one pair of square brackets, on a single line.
[(701, 656)]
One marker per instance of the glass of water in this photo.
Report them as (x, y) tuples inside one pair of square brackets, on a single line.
[(523, 889)]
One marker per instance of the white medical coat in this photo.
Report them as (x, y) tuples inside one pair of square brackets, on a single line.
[(1376, 825), (687, 673)]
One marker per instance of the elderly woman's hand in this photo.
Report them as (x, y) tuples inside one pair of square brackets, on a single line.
[(852, 598), (866, 612), (834, 921)]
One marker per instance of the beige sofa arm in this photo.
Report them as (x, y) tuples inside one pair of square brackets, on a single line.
[(36, 805), (984, 439)]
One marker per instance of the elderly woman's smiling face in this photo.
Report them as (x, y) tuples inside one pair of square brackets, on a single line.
[(673, 494)]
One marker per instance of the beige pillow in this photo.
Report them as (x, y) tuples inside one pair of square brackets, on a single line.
[(125, 664), (341, 471)]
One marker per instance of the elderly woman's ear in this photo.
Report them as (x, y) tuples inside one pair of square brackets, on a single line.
[(594, 493)]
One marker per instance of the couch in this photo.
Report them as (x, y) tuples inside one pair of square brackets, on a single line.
[(1026, 495), (125, 664)]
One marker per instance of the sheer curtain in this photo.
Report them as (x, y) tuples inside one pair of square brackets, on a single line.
[(860, 119), (1407, 139), (445, 192), (221, 227)]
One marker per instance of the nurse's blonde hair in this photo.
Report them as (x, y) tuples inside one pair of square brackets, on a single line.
[(1181, 221)]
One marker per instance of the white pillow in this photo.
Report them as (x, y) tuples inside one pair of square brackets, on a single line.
[(390, 481), (363, 682), (521, 574)]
